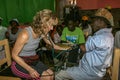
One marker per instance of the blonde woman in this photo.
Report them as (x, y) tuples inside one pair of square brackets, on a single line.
[(26, 63)]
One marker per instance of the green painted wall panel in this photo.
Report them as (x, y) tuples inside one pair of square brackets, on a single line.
[(23, 10)]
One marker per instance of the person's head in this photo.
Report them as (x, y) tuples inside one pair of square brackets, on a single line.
[(71, 26), (44, 21), (105, 13), (102, 19), (84, 22), (84, 18), (14, 23), (99, 22)]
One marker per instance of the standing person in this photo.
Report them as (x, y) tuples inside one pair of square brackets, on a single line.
[(26, 63), (98, 55)]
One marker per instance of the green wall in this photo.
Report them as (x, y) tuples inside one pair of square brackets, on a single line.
[(23, 10)]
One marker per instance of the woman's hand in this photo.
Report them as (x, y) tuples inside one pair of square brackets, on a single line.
[(49, 47), (34, 74)]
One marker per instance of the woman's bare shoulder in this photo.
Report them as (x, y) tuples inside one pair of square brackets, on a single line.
[(23, 35)]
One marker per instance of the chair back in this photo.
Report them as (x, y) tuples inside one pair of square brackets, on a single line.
[(6, 58), (116, 64)]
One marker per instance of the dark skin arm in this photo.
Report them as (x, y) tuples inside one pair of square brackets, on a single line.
[(82, 48)]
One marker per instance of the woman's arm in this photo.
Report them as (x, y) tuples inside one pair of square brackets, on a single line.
[(20, 42), (51, 43)]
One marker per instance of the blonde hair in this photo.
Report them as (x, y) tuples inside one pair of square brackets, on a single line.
[(40, 20)]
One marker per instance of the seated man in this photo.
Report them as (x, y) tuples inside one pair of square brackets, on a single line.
[(73, 35), (13, 31), (98, 55)]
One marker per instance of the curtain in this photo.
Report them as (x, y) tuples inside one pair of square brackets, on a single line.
[(23, 10)]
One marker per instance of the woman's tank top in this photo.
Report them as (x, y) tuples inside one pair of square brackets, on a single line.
[(32, 44)]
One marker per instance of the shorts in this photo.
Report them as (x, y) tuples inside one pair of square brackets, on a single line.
[(23, 73)]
